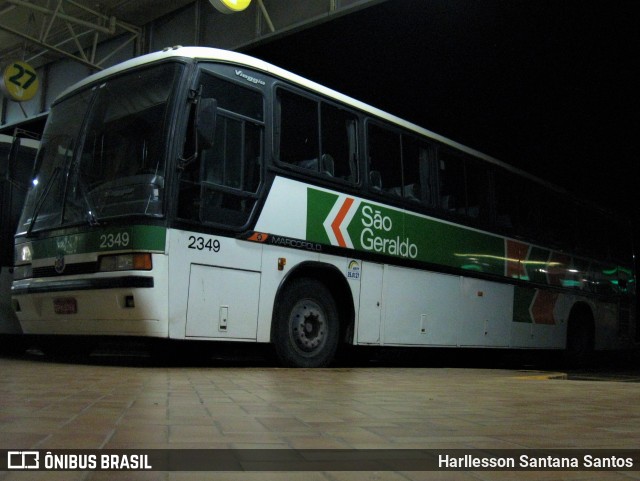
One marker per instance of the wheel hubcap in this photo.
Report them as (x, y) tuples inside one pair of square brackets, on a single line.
[(308, 326)]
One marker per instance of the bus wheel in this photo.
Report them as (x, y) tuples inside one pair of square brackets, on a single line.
[(306, 325)]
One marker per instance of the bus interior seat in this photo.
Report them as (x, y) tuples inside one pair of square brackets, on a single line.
[(448, 202), (310, 164), (352, 176), (473, 211), (328, 165), (375, 180), (412, 192)]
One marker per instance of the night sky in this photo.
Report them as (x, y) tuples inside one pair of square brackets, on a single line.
[(549, 86)]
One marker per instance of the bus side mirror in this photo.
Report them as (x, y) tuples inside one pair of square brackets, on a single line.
[(206, 122)]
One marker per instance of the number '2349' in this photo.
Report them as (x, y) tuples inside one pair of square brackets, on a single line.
[(118, 239), (202, 244)]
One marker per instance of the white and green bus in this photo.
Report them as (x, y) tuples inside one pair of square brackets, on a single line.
[(18, 149), (203, 194)]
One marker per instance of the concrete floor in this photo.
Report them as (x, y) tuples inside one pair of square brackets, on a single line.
[(47, 404)]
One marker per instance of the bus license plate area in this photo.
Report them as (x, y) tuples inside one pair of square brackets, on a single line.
[(65, 305)]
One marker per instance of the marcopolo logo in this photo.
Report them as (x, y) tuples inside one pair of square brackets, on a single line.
[(59, 263), (345, 221)]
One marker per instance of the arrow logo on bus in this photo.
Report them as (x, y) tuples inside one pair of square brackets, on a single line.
[(339, 219)]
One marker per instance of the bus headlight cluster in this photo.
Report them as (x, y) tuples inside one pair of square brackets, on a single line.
[(125, 262), (24, 253), (22, 272)]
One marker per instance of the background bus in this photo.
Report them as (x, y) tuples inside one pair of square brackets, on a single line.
[(202, 194), (17, 156)]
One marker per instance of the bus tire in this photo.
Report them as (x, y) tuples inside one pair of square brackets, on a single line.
[(306, 328)]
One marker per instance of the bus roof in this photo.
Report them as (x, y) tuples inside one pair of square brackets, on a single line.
[(236, 58)]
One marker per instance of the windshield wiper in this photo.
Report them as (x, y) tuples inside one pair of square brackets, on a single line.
[(91, 211), (43, 197), (47, 188)]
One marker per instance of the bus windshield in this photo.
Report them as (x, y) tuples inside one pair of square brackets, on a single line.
[(103, 153)]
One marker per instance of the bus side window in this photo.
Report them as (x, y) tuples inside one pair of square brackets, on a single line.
[(219, 185), (417, 173), (478, 189), (451, 192), (517, 205), (231, 172), (299, 133), (555, 227), (384, 158), (339, 143), (506, 201), (316, 136)]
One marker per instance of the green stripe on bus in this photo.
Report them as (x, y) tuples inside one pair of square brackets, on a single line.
[(136, 237), (348, 221), (373, 228)]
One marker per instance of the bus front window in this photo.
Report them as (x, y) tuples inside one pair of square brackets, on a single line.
[(104, 152), (43, 205)]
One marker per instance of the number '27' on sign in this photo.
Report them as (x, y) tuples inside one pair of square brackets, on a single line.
[(19, 81)]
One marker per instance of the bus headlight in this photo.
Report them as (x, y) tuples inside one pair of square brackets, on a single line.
[(125, 262), (22, 258), (24, 253)]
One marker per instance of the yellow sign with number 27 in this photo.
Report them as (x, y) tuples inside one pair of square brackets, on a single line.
[(19, 81)]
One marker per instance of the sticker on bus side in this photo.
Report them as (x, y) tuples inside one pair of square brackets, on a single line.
[(353, 270)]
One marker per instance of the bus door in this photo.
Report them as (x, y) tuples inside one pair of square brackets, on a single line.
[(370, 311), (219, 274)]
